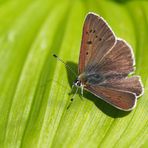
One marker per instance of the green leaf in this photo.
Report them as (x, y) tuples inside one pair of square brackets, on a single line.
[(35, 87)]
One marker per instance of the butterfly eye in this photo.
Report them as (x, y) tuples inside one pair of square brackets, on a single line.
[(77, 82)]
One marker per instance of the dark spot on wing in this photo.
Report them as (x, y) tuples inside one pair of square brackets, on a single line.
[(94, 31), (100, 39), (86, 32), (89, 42), (90, 30), (96, 36), (86, 53)]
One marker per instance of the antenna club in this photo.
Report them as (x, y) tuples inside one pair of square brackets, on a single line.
[(55, 55)]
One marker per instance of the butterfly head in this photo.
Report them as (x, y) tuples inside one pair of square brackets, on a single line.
[(77, 83)]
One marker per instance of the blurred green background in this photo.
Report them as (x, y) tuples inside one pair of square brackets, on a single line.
[(34, 87)]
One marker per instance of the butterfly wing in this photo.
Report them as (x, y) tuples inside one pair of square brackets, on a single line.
[(105, 63), (119, 61), (132, 84), (109, 80), (97, 40), (122, 100)]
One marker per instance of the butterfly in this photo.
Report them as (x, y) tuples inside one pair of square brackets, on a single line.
[(105, 62)]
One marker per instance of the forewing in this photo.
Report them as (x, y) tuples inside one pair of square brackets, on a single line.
[(119, 61), (97, 40), (120, 99), (132, 84)]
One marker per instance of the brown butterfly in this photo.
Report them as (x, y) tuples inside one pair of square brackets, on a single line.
[(104, 65)]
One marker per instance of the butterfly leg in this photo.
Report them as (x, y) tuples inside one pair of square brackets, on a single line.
[(72, 86), (71, 90), (74, 94), (82, 91), (72, 98)]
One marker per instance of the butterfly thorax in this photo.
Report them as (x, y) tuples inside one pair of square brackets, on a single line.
[(87, 79)]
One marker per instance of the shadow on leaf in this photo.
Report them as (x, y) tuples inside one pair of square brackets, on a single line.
[(120, 1)]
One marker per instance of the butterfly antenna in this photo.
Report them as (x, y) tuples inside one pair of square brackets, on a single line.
[(64, 64), (71, 100)]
